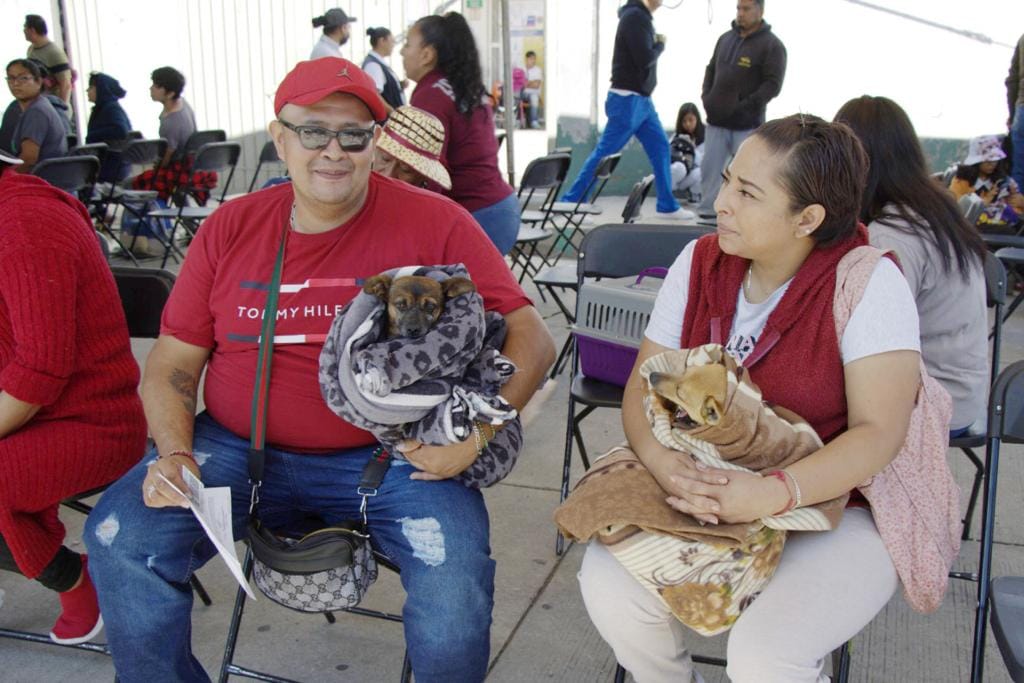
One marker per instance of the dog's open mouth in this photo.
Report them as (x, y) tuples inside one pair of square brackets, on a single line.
[(680, 418)]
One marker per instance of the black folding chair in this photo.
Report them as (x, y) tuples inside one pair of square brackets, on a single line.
[(631, 211), (542, 180), (214, 156), (1005, 425), (610, 251), (139, 155), (75, 175), (995, 294), (199, 139), (572, 214), (1007, 600), (93, 149), (268, 155), (228, 667)]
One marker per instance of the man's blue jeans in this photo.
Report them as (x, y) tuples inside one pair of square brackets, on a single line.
[(720, 145), (630, 115), (141, 558), (1017, 137)]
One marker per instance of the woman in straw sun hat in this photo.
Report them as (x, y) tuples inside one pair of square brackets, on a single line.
[(409, 148)]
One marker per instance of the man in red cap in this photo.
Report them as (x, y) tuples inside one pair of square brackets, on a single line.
[(338, 224)]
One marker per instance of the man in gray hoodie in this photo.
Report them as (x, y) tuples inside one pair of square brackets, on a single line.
[(746, 71)]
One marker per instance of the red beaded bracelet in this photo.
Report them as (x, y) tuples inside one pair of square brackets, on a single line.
[(781, 476), (187, 454)]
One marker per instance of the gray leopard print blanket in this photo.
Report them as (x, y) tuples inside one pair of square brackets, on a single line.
[(431, 388)]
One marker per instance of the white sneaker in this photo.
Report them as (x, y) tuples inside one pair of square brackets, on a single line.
[(679, 214)]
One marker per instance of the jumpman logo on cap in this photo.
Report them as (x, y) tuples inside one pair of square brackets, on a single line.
[(344, 73)]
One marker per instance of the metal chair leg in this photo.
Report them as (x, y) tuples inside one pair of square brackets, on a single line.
[(226, 666), (566, 468), (979, 475), (988, 513)]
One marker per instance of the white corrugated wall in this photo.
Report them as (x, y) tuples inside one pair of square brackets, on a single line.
[(233, 54)]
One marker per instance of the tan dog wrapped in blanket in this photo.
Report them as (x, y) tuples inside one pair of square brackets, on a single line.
[(700, 402)]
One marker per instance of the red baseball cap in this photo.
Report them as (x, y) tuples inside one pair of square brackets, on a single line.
[(312, 81)]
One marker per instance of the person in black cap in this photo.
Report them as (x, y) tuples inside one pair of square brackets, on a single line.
[(336, 30)]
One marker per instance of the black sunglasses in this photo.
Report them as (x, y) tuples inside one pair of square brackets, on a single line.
[(316, 137)]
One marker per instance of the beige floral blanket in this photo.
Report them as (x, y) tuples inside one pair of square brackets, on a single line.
[(706, 574)]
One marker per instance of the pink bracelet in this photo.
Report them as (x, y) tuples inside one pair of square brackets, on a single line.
[(784, 476)]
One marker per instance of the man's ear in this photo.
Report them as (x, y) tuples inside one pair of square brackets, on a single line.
[(379, 286), (277, 131), (456, 286), (810, 219)]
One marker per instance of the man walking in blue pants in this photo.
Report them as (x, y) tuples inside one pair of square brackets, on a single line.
[(629, 107)]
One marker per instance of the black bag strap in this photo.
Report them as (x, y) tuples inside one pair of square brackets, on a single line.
[(379, 462)]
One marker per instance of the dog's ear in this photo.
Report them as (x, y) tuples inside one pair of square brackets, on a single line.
[(711, 410), (378, 286), (456, 286)]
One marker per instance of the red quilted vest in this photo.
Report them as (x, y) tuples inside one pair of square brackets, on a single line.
[(796, 360)]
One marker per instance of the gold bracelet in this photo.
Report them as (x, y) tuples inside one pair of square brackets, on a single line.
[(478, 438)]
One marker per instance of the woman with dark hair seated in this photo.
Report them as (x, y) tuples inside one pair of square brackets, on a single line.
[(440, 55), (941, 256), (39, 133), (687, 149), (70, 415), (764, 287)]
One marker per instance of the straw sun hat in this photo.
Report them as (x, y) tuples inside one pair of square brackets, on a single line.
[(415, 137)]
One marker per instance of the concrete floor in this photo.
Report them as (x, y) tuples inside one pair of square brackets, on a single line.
[(541, 630)]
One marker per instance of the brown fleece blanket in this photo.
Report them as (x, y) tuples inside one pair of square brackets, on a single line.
[(705, 573)]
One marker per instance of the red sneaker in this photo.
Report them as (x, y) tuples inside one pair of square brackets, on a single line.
[(80, 619)]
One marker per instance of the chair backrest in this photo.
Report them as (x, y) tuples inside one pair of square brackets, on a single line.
[(621, 250), (1006, 405), (268, 155), (544, 176), (218, 156), (545, 172), (607, 165), (995, 295), (71, 174), (94, 149), (138, 153), (203, 137), (636, 198), (972, 205), (143, 291), (135, 135)]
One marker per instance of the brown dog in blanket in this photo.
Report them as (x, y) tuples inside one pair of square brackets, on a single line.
[(696, 397), (415, 302)]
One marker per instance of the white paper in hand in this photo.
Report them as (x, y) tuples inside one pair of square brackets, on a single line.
[(212, 507)]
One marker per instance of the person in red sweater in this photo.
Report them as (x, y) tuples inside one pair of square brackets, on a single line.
[(764, 287), (70, 415), (441, 56)]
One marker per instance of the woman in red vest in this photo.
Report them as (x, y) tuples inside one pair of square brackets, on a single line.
[(763, 286)]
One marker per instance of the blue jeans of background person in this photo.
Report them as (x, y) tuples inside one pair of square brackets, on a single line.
[(141, 558), (630, 115), (720, 145), (500, 221), (1017, 137)]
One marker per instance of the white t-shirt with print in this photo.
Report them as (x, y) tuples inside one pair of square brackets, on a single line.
[(884, 320)]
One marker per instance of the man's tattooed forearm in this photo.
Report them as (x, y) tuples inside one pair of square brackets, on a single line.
[(185, 385)]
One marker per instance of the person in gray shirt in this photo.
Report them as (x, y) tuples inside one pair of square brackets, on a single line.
[(177, 122), (39, 133)]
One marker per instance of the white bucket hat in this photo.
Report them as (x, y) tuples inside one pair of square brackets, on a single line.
[(984, 148), (416, 137)]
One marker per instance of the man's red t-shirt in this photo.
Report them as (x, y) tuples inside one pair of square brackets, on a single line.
[(218, 300)]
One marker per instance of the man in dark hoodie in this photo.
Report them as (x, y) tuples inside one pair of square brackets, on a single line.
[(108, 123), (745, 71), (629, 107)]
